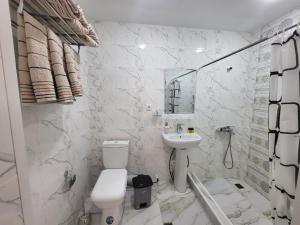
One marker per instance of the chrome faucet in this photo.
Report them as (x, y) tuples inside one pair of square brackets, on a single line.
[(179, 128)]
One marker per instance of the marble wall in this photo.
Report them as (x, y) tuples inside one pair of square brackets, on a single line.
[(10, 200), (258, 162), (224, 99), (58, 138), (124, 79), (120, 79)]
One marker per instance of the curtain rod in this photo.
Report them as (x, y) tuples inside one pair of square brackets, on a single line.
[(239, 50)]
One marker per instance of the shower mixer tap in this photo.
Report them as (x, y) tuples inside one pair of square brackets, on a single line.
[(228, 130), (225, 129)]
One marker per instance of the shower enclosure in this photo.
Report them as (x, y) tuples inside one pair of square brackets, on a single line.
[(231, 170), (234, 151)]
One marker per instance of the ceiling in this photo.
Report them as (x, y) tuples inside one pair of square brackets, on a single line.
[(236, 15)]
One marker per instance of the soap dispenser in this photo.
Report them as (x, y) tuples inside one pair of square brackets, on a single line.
[(166, 126)]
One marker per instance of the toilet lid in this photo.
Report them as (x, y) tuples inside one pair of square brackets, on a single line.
[(110, 186)]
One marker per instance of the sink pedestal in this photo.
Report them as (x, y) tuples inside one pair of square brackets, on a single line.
[(181, 142), (180, 174)]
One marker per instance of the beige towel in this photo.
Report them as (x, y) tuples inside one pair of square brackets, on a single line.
[(74, 16), (72, 64), (67, 9), (92, 33), (82, 18), (63, 89), (76, 26), (88, 41), (25, 84), (38, 60)]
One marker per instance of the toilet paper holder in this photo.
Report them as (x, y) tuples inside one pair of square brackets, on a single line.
[(70, 179)]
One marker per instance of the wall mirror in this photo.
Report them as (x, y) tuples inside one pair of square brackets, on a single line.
[(180, 90)]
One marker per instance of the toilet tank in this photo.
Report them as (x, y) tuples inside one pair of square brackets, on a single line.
[(115, 154)]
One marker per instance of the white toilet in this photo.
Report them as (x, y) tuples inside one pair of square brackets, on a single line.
[(109, 191)]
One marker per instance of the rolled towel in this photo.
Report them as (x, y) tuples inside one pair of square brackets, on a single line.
[(72, 61), (65, 8), (25, 84), (77, 27), (75, 18), (63, 88), (38, 60), (92, 33), (83, 19), (88, 41)]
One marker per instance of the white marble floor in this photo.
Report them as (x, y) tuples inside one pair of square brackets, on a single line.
[(167, 206), (242, 206), (181, 208), (148, 216)]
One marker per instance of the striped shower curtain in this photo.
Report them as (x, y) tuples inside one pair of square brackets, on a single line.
[(284, 127)]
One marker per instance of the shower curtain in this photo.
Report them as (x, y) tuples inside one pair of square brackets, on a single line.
[(284, 127)]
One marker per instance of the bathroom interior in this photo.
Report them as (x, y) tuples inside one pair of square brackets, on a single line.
[(161, 112)]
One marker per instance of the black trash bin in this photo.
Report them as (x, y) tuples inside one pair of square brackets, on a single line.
[(142, 185)]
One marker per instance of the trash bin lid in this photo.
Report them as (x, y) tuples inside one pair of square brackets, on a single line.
[(142, 181)]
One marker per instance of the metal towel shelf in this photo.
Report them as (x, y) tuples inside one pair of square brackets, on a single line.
[(57, 23)]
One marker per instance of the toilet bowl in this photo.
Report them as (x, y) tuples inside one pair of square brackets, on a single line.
[(108, 195), (109, 192)]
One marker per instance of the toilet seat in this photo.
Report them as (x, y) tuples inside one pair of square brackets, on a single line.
[(110, 188)]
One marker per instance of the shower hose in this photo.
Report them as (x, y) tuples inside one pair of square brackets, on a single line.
[(228, 150)]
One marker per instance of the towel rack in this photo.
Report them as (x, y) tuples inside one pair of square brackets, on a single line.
[(43, 14)]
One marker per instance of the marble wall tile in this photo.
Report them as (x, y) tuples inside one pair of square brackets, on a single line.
[(119, 80), (58, 139), (123, 79), (10, 201)]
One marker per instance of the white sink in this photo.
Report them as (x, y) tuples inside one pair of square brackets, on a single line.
[(181, 141)]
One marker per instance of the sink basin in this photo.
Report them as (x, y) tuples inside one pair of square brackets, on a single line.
[(181, 141)]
